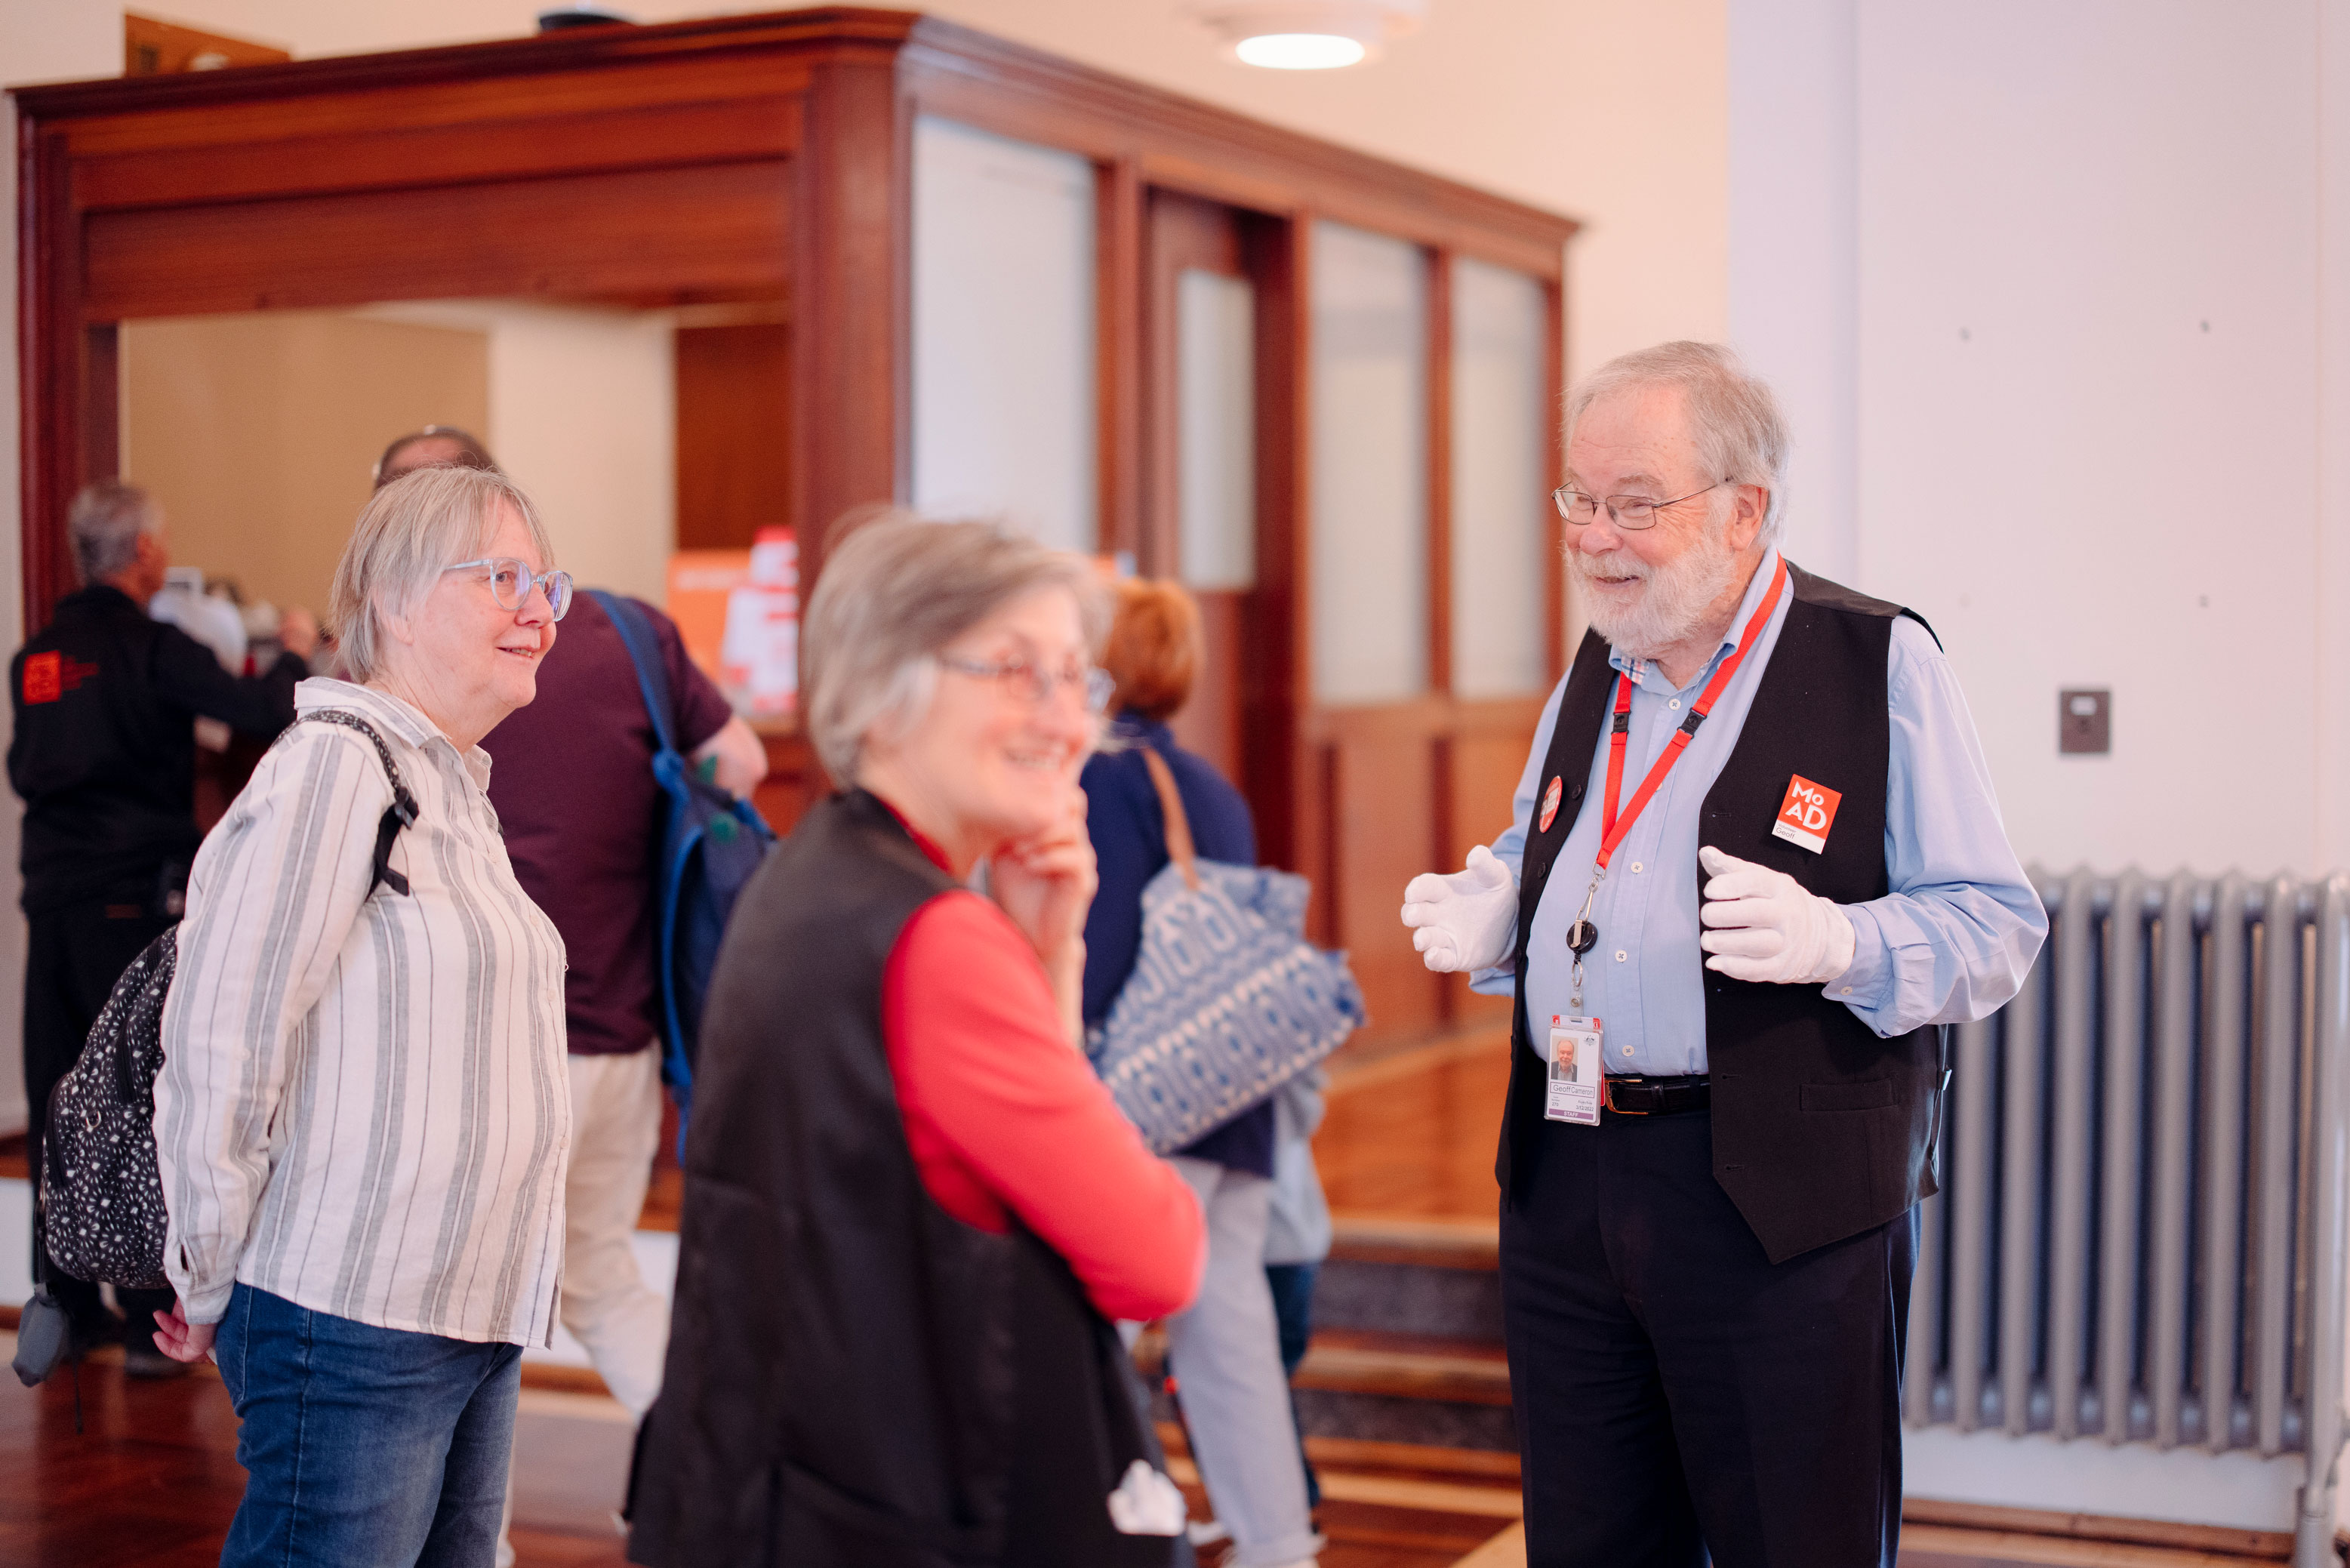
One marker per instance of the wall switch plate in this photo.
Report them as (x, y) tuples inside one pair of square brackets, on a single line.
[(2084, 721)]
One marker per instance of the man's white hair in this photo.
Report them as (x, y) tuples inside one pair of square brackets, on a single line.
[(104, 524), (1741, 436)]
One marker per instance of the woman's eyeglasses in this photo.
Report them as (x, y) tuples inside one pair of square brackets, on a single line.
[(511, 583), (1034, 683)]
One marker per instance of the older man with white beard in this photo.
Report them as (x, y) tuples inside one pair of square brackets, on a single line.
[(1780, 870)]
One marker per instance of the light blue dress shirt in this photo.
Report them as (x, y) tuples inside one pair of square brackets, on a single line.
[(1951, 941)]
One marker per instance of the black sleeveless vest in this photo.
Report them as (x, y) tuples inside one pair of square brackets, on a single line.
[(1821, 1129), (854, 1376)]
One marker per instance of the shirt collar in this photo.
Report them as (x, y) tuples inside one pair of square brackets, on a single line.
[(1132, 727), (1640, 668), (102, 595), (922, 842), (401, 718)]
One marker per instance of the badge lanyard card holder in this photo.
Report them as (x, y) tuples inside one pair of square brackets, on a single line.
[(1573, 1089)]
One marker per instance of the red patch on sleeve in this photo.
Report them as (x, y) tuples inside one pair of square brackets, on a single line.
[(49, 676), (44, 678)]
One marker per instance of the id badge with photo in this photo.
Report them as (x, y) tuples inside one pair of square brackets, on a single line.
[(1572, 1086)]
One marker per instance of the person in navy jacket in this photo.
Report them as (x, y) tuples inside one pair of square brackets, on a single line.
[(1225, 1349)]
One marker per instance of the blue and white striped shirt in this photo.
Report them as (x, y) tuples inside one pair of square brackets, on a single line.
[(364, 1106)]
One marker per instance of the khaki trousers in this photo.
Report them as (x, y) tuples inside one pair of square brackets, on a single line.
[(620, 1321)]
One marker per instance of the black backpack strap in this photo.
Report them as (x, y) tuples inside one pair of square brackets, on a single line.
[(400, 813)]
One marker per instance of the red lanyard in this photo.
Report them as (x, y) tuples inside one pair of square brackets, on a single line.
[(1612, 827)]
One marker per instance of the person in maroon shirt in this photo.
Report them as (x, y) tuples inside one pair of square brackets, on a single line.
[(572, 780)]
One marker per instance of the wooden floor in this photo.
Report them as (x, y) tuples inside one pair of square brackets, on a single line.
[(1406, 1154), (153, 1481), (1412, 1135)]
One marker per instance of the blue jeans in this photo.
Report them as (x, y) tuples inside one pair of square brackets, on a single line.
[(362, 1446)]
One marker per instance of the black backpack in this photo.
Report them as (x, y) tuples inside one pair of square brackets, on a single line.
[(102, 1188)]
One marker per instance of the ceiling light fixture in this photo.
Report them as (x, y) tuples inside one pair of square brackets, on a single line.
[(1307, 35)]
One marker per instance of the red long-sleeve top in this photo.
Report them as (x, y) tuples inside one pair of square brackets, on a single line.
[(1005, 1116)]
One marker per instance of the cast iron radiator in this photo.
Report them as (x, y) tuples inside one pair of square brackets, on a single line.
[(2140, 1234)]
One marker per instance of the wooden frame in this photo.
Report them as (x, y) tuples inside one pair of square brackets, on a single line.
[(766, 156)]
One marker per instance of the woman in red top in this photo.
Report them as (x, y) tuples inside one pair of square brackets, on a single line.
[(910, 1207)]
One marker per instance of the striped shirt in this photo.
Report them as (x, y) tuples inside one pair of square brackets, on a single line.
[(363, 1107)]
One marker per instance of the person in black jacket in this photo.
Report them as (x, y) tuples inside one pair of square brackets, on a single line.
[(103, 754)]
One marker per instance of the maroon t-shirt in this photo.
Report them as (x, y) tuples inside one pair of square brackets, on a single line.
[(572, 779)]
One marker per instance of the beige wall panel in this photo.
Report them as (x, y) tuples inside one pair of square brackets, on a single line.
[(257, 432)]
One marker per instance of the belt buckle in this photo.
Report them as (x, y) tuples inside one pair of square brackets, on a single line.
[(1607, 1099)]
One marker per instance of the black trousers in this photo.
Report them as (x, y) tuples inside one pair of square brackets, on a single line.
[(74, 954), (1676, 1392)]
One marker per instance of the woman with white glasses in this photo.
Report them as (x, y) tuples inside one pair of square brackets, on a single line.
[(362, 1117)]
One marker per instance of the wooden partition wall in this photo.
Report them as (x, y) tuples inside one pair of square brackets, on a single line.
[(767, 158)]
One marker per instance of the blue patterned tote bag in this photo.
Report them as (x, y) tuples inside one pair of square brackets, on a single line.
[(1228, 1000)]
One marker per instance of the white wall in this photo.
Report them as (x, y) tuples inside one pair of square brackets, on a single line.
[(2097, 347), (39, 39), (1793, 297)]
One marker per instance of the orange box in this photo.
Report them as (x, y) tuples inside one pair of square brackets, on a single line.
[(700, 583)]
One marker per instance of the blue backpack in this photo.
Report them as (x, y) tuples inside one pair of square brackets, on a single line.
[(709, 846)]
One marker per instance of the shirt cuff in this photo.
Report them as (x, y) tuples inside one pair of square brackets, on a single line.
[(199, 1304), (1868, 984), (1502, 980), (207, 1305), (1891, 981)]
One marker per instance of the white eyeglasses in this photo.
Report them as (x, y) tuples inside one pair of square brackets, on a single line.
[(511, 583)]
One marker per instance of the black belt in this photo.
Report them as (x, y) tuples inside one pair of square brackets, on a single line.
[(1631, 1095)]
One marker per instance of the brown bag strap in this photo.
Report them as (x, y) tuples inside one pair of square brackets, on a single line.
[(1179, 826)]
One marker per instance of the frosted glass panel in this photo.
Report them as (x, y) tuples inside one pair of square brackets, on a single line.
[(1499, 412), (1003, 332), (1369, 399), (1215, 370)]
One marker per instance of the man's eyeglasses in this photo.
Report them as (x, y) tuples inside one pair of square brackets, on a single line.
[(1036, 684), (511, 583), (1632, 512)]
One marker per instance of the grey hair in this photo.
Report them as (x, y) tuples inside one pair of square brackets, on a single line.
[(1741, 434), (104, 524), (894, 592), (411, 531)]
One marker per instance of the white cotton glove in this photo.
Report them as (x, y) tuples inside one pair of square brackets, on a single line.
[(1466, 920), (1763, 925)]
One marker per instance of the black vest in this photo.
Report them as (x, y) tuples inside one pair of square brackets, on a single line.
[(1821, 1129), (854, 1376)]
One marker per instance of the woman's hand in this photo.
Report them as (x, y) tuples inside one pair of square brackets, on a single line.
[(180, 1340), (1045, 882)]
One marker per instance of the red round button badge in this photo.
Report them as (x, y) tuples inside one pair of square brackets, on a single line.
[(1550, 805)]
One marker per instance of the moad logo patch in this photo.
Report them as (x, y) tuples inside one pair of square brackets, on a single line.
[(1550, 805), (1808, 814)]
